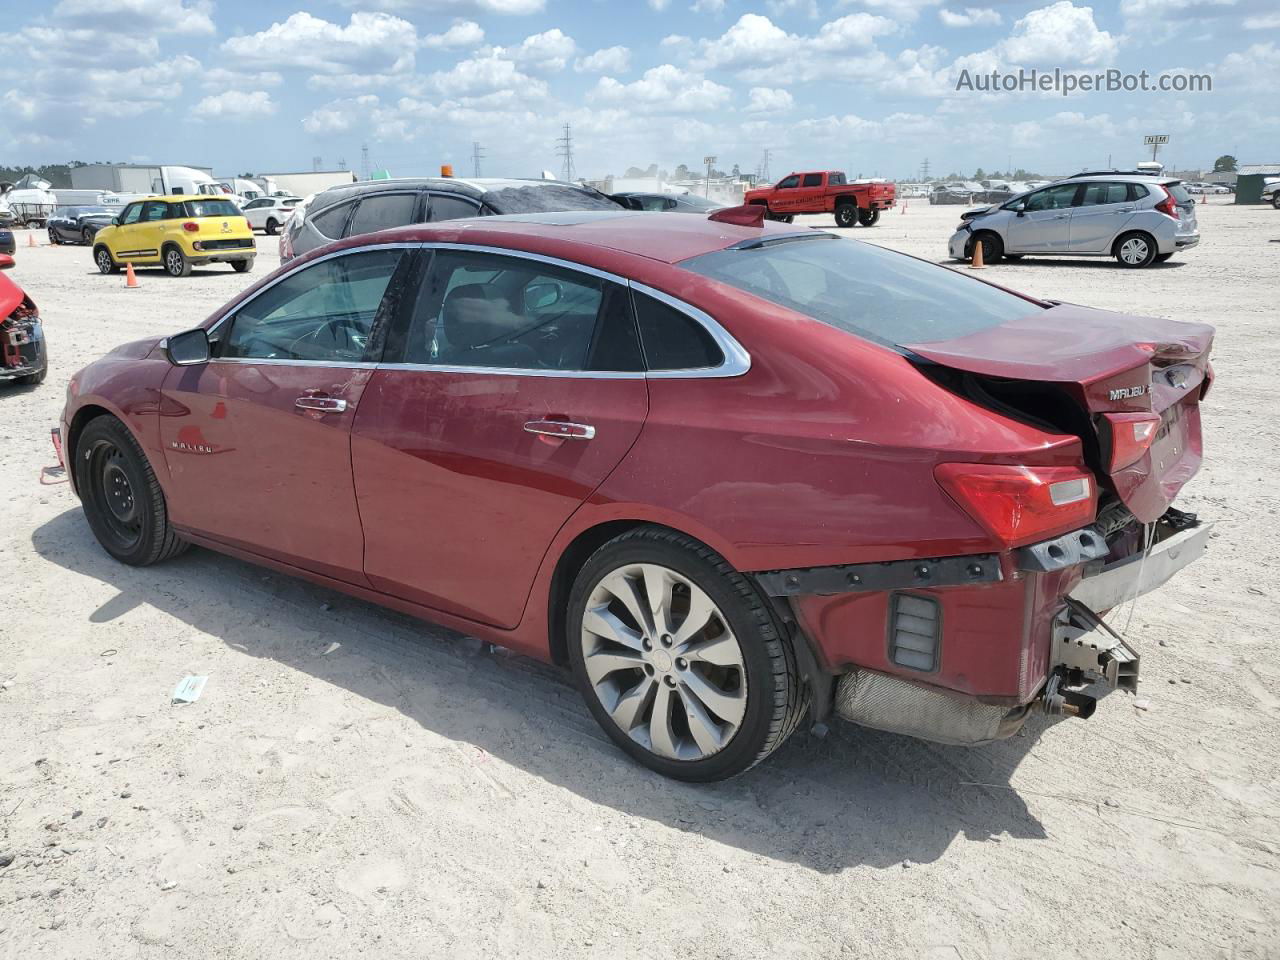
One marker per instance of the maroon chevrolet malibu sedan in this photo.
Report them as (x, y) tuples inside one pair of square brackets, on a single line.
[(736, 475)]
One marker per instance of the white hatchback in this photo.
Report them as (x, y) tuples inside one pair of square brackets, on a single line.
[(270, 213)]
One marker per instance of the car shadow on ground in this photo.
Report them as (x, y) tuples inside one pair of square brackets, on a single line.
[(852, 796), (1106, 263)]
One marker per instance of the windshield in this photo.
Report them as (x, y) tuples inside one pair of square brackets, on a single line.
[(877, 294), (213, 208), (546, 198), (697, 203), (1179, 192)]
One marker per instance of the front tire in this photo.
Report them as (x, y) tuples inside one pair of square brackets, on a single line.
[(868, 218), (846, 214), (1275, 200), (106, 263), (34, 379), (1135, 250), (242, 266), (176, 263), (121, 497), (992, 247), (53, 238), (680, 659)]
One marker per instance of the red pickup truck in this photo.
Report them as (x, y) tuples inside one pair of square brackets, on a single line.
[(825, 191)]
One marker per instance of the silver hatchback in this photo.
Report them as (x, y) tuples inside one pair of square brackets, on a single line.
[(1139, 220)]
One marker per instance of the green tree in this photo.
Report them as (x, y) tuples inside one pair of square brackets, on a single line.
[(979, 174), (1225, 164)]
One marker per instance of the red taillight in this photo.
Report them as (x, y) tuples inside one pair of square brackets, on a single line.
[(1020, 505), (191, 226), (1131, 436), (1168, 206)]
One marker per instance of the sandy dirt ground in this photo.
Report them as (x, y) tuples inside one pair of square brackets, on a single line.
[(353, 782)]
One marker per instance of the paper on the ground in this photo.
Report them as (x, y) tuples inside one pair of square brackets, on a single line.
[(188, 689)]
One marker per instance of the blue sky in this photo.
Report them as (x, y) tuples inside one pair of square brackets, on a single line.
[(863, 85)]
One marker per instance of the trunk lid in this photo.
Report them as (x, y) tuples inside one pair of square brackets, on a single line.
[(1069, 367)]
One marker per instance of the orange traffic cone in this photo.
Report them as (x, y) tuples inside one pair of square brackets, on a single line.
[(975, 261), (1203, 198), (129, 279), (31, 239)]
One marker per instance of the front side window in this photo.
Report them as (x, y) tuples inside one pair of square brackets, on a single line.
[(863, 289), (131, 214), (323, 313), (382, 211), (813, 179), (1052, 198), (788, 182), (488, 310)]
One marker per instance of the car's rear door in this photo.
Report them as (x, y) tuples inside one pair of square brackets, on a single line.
[(512, 387), (1102, 214), (258, 440)]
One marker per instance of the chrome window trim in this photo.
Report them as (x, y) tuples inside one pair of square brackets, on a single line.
[(737, 360), (286, 362)]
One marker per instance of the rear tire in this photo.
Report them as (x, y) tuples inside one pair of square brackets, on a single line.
[(176, 263), (86, 236), (701, 705), (242, 266), (868, 218), (1135, 250), (106, 263), (272, 227), (53, 237), (121, 497), (846, 214), (1275, 200)]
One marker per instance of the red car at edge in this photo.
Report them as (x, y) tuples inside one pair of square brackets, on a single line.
[(737, 476)]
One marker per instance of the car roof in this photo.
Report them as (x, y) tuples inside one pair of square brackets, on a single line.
[(654, 236), (176, 198), (1121, 176)]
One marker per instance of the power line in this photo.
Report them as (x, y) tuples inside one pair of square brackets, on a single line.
[(364, 161), (477, 154), (565, 152)]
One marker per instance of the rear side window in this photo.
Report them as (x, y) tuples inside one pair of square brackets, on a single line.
[(1137, 191), (330, 222), (382, 211), (672, 339), (444, 207), (813, 179), (866, 290), (1099, 193), (836, 180), (213, 208)]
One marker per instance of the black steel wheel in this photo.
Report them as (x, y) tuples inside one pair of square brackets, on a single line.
[(846, 214), (121, 497), (868, 218)]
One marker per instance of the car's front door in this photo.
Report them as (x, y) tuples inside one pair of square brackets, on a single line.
[(1044, 223), (1103, 212), (785, 194), (258, 440), (512, 387)]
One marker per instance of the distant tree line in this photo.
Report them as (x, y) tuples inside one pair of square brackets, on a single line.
[(58, 174)]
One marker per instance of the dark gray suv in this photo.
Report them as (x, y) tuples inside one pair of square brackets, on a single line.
[(373, 205)]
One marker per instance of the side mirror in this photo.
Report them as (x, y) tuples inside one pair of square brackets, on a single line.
[(189, 348), (6, 262), (115, 221), (545, 293), (1020, 207)]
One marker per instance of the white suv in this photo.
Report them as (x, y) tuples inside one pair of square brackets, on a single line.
[(270, 213)]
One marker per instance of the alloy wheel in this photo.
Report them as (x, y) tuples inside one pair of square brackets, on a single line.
[(173, 263), (663, 661), (104, 261)]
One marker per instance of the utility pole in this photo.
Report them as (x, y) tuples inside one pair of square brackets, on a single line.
[(364, 161), (924, 170), (565, 152), (342, 164), (316, 163), (708, 161), (477, 154), (764, 166)]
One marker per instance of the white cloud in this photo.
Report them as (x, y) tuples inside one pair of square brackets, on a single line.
[(217, 78), (659, 5), (769, 100), (235, 105), (340, 115), (139, 16), (1267, 22), (1059, 34), (708, 6), (971, 17), (482, 75), (549, 50), (463, 33), (666, 88), (675, 40), (370, 41), (781, 8), (501, 7), (755, 41), (608, 60), (58, 45), (1254, 68), (900, 9)]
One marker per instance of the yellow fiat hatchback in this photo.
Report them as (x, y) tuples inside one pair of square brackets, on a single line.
[(176, 233)]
